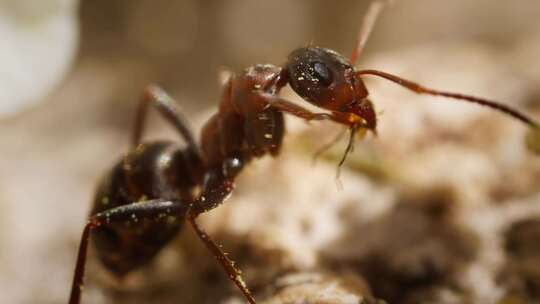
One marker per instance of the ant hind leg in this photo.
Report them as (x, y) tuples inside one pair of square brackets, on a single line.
[(233, 273), (153, 210)]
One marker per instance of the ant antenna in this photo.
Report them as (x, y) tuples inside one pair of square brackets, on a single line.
[(419, 89), (374, 9)]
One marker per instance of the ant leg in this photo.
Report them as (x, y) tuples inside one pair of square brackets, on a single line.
[(230, 126), (354, 122), (419, 89), (344, 118), (78, 277), (152, 210), (227, 264), (166, 106), (293, 109), (298, 111)]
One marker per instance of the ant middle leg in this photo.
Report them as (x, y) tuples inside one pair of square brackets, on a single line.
[(165, 105), (157, 209)]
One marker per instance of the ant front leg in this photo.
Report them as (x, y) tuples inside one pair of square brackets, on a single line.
[(158, 98), (352, 121), (154, 210), (293, 109), (286, 106)]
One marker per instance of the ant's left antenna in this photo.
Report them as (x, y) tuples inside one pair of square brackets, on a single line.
[(374, 9)]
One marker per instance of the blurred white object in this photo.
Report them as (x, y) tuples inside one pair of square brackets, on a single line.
[(37, 45)]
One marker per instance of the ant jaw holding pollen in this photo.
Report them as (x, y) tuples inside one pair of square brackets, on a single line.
[(363, 115)]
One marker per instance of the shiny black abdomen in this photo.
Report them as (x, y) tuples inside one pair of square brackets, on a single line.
[(151, 171)]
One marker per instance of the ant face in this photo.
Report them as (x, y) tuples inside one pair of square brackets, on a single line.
[(328, 80)]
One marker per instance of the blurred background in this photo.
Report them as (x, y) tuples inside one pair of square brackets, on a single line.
[(72, 73)]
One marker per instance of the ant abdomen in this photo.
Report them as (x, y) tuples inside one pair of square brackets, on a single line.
[(150, 171)]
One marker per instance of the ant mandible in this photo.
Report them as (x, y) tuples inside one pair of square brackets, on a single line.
[(146, 197)]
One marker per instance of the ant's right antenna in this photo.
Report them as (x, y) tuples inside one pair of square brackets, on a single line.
[(532, 138), (375, 8), (419, 89)]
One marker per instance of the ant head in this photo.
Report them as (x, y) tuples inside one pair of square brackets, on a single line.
[(328, 80)]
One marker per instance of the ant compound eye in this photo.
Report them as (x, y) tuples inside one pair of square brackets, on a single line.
[(322, 74)]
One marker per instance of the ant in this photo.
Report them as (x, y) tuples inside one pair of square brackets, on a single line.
[(147, 196)]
